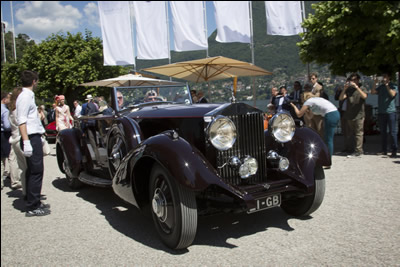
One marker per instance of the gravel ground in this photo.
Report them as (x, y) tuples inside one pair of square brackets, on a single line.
[(358, 224)]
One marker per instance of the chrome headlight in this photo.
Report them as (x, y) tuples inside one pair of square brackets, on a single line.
[(222, 133), (282, 127)]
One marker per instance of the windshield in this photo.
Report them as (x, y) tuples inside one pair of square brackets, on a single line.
[(134, 96)]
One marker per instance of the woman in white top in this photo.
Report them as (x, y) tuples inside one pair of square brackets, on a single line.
[(17, 159), (63, 115), (323, 107)]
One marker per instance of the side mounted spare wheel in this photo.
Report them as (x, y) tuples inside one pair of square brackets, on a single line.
[(72, 181), (174, 209), (306, 205)]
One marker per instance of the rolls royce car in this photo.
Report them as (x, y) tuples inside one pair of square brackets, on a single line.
[(154, 147)]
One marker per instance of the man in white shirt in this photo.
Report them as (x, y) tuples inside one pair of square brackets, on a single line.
[(31, 130), (78, 109)]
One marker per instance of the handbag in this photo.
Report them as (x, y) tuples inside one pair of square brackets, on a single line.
[(46, 147)]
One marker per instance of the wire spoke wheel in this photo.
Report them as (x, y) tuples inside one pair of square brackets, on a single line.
[(116, 151)]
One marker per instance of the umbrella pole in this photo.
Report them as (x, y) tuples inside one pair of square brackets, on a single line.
[(234, 86), (254, 93)]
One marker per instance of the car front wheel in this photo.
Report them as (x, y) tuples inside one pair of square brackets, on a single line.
[(174, 209), (306, 205)]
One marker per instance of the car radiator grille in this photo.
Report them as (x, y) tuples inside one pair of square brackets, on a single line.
[(250, 141)]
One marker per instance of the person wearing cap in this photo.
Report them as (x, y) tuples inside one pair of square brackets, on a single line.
[(63, 114)]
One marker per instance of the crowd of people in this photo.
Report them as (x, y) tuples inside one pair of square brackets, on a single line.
[(23, 137), (23, 122), (311, 104)]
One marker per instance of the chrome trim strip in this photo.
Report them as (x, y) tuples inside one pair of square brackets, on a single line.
[(135, 128)]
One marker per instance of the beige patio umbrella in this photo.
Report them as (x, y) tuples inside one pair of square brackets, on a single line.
[(209, 69), (129, 80)]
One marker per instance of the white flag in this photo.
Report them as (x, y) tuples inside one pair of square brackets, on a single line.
[(233, 21), (283, 17), (151, 29), (188, 25), (116, 32)]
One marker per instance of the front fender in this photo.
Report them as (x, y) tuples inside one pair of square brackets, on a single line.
[(310, 151), (305, 151), (68, 145), (183, 161)]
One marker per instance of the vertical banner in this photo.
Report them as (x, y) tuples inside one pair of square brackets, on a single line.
[(188, 25), (283, 17), (233, 21), (151, 29), (116, 32)]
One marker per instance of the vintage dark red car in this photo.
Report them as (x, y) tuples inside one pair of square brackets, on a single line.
[(51, 132), (187, 160)]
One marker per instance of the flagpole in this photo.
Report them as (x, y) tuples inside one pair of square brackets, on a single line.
[(3, 33), (205, 24), (251, 32), (252, 50), (168, 39), (13, 30), (133, 36), (303, 13)]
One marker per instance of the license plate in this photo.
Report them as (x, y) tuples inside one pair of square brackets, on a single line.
[(266, 203)]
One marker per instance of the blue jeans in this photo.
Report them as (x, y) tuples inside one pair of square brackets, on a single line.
[(331, 121), (386, 120)]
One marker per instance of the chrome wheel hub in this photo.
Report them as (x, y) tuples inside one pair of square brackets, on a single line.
[(159, 205)]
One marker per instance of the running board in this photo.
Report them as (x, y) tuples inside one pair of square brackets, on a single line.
[(89, 179)]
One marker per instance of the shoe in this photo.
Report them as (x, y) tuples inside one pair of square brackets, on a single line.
[(326, 167), (44, 205), (354, 155), (37, 212), (15, 187), (393, 156), (384, 153)]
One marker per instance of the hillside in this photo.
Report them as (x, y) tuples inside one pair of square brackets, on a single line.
[(278, 54)]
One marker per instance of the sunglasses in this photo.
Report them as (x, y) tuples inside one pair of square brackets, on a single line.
[(120, 97)]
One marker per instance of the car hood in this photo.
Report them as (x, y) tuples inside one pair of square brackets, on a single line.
[(191, 111)]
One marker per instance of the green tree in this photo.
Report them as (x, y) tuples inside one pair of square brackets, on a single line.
[(353, 36), (63, 62), (22, 41)]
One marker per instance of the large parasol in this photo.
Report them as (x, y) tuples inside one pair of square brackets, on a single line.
[(129, 80)]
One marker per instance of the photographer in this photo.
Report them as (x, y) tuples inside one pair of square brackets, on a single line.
[(387, 92), (354, 114), (282, 100)]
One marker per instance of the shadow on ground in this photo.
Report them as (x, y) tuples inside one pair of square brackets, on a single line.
[(212, 230)]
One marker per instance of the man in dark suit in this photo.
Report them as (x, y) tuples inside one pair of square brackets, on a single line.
[(201, 97), (296, 94)]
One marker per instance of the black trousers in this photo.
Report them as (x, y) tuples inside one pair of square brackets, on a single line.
[(34, 172)]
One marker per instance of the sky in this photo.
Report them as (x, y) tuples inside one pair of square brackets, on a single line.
[(39, 19)]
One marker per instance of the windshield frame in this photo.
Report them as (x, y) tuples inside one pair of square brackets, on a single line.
[(147, 87)]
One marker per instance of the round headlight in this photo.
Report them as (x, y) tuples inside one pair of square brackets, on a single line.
[(282, 127), (222, 133)]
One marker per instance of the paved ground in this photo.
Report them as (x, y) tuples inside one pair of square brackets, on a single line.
[(358, 224)]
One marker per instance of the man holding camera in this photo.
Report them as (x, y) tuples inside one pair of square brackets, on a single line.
[(356, 96), (387, 92)]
